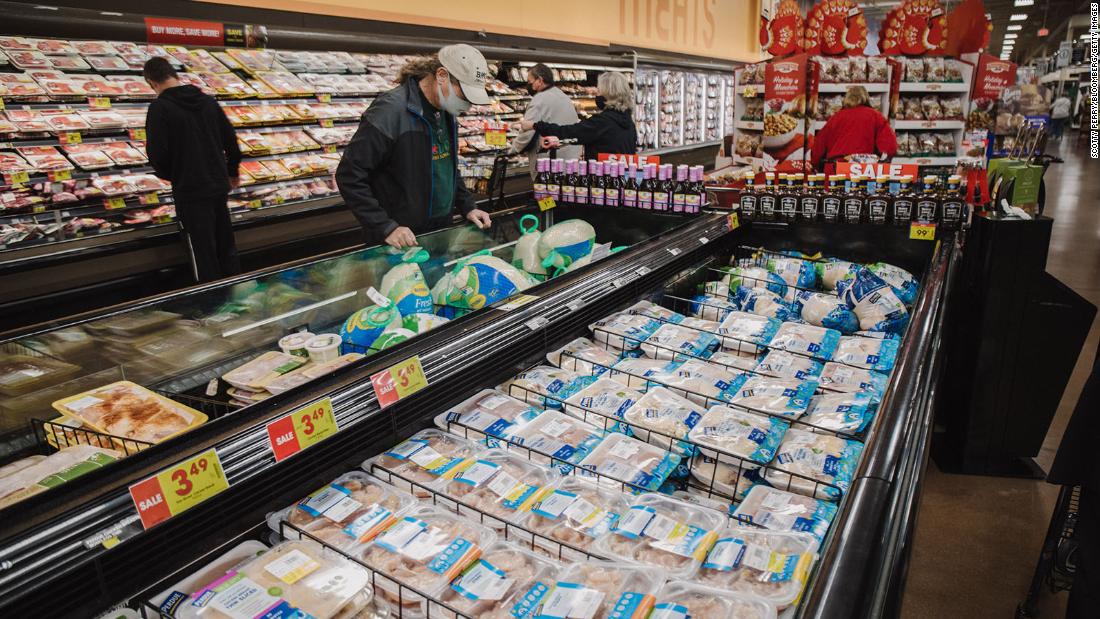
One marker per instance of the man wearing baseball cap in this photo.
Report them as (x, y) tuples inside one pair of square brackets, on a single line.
[(399, 174)]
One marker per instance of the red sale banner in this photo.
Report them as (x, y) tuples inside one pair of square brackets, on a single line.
[(631, 158), (992, 77), (850, 168), (184, 32)]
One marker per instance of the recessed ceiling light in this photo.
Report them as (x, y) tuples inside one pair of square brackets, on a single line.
[(1024, 2), (1015, 27), (1018, 17), (1011, 35)]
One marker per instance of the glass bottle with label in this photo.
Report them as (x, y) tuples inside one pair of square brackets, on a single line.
[(903, 199), (767, 199), (680, 189), (553, 180), (580, 183), (613, 184), (809, 201), (541, 170), (699, 188), (630, 187), (952, 207), (878, 204), (645, 187), (853, 200), (662, 189), (596, 189), (832, 200), (788, 198), (747, 202), (568, 182), (928, 203)]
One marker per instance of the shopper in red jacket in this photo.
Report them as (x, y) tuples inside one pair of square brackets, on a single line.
[(857, 129)]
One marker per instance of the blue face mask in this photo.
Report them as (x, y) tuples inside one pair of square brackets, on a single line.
[(452, 103)]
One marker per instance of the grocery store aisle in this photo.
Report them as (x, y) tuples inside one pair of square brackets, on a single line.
[(978, 538)]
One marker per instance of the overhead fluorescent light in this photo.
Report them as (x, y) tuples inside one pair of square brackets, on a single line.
[(1024, 2), (1015, 27), (1018, 17), (1011, 35), (1084, 37)]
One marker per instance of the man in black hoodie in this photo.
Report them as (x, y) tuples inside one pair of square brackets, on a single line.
[(192, 145)]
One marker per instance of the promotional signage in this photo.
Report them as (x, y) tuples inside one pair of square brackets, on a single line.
[(875, 170), (399, 381), (785, 87), (835, 28), (992, 77), (179, 488), (636, 159), (781, 27), (302, 429), (916, 28), (206, 33)]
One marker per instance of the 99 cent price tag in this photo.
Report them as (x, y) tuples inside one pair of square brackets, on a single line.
[(547, 203), (179, 488), (302, 429), (399, 381), (734, 222), (101, 103), (920, 231)]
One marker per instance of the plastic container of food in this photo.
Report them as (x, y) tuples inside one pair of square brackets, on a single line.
[(772, 565), (485, 415), (352, 509), (324, 347), (680, 600), (702, 382), (21, 374), (867, 353), (846, 413), (664, 532), (421, 459), (558, 439), (255, 374), (128, 410), (742, 331), (175, 601), (627, 463), (778, 510), (498, 584), (745, 439), (602, 402), (601, 589), (295, 343), (499, 483), (819, 457), (840, 377), (573, 514), (817, 342)]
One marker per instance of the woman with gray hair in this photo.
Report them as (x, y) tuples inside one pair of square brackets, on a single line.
[(611, 131)]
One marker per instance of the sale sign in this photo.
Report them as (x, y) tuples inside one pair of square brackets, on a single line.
[(302, 429), (399, 381), (874, 170), (179, 488), (184, 32), (631, 158)]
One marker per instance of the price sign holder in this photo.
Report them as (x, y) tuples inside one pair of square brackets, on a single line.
[(734, 222), (496, 133), (547, 203), (59, 175), (326, 123), (330, 148), (149, 198), (921, 231), (302, 429), (516, 301), (114, 203), (255, 204), (179, 488), (102, 103), (70, 137), (324, 98), (399, 381), (17, 178), (137, 134)]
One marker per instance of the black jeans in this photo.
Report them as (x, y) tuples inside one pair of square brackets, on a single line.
[(208, 236)]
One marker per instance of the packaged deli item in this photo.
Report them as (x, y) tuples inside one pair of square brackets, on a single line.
[(557, 439), (832, 271), (421, 459), (600, 590), (128, 410), (582, 356), (30, 476), (741, 331), (778, 510), (680, 600), (620, 458), (814, 457), (20, 374), (868, 353), (499, 483), (817, 342), (499, 584), (255, 374), (666, 533), (426, 549), (668, 415), (485, 415), (670, 340), (846, 413), (623, 331), (602, 402), (772, 565), (351, 510), (701, 382), (784, 364), (176, 601), (839, 377), (575, 511), (788, 397), (542, 385)]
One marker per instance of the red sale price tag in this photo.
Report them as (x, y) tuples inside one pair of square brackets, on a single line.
[(399, 381), (179, 488), (302, 429)]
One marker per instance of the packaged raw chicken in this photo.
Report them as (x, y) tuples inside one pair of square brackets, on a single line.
[(868, 353), (351, 510), (826, 310), (902, 282), (783, 364), (602, 402), (601, 590), (805, 458), (701, 382), (542, 385), (30, 476), (670, 340), (666, 533), (582, 356), (741, 331), (421, 459), (680, 600), (778, 510), (652, 310), (577, 512), (623, 331), (772, 565), (487, 414), (735, 362), (874, 302), (558, 439), (763, 302), (845, 413), (817, 342), (499, 483), (833, 270), (795, 272), (743, 441), (668, 415), (849, 379), (257, 373), (787, 397), (621, 461), (710, 307), (175, 601), (632, 372), (130, 411), (425, 550), (499, 584)]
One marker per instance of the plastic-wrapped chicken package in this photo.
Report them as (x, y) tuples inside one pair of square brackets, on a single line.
[(486, 415), (783, 364), (405, 286), (817, 342), (795, 272), (710, 307), (874, 302), (669, 341), (734, 361), (652, 310), (601, 402), (832, 271), (599, 590), (701, 382), (634, 372), (497, 584), (868, 353), (901, 281), (847, 413), (176, 601), (620, 458), (816, 458), (840, 377), (664, 532), (778, 510), (661, 414), (559, 440), (542, 385), (826, 310), (750, 438), (582, 356), (764, 302), (623, 330), (421, 459), (574, 511), (755, 277), (526, 253), (681, 600), (740, 331), (425, 550), (771, 565), (499, 483), (351, 510), (788, 397)]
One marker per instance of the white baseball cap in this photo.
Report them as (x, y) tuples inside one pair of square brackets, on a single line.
[(468, 66)]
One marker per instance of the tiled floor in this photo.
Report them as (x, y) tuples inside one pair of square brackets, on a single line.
[(978, 538)]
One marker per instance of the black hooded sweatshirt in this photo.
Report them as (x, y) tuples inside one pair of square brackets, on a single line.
[(610, 131), (191, 144)]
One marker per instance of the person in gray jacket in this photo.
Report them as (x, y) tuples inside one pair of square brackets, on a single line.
[(549, 104)]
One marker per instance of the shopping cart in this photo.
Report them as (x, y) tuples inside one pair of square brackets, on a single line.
[(1058, 558)]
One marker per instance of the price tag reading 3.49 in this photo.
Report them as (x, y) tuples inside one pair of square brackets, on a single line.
[(399, 381), (179, 488), (301, 429)]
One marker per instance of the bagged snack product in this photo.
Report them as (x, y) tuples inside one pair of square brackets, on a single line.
[(857, 69), (664, 532), (953, 71), (842, 69), (779, 510), (575, 511), (763, 303), (912, 108), (787, 397), (669, 340), (914, 70), (755, 277), (129, 410), (816, 458), (487, 414), (499, 583), (351, 510), (623, 331), (951, 108), (558, 439), (666, 413), (934, 69), (913, 144), (878, 70), (903, 145), (817, 342), (847, 413), (848, 379), (829, 69), (601, 402), (945, 144), (784, 364), (499, 483), (429, 454), (874, 302), (600, 590), (543, 385), (740, 330), (771, 565), (699, 381), (931, 108), (685, 599), (826, 310), (868, 353), (620, 458)]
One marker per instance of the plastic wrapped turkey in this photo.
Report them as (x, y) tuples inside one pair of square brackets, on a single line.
[(668, 415), (564, 243), (673, 341), (542, 385), (702, 382), (815, 464)]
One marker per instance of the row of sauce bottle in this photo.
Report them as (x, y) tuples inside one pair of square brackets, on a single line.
[(858, 199), (619, 184)]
